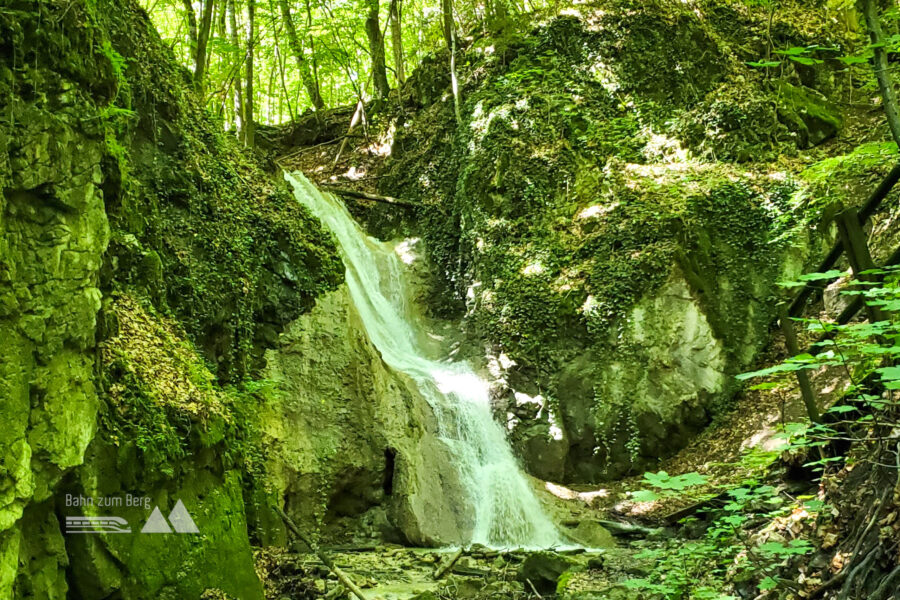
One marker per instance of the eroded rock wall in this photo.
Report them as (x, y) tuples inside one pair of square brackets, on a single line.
[(352, 442), (130, 227)]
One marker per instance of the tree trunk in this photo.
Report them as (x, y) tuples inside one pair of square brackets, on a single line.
[(450, 32), (309, 83), (447, 22), (880, 64), (397, 41), (312, 47), (249, 124), (238, 92), (192, 27), (202, 41), (284, 88), (376, 49)]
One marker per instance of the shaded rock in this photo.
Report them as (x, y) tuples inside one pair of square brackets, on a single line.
[(543, 569), (812, 116), (590, 534), (542, 448)]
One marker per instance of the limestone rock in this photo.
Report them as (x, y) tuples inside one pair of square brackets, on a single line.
[(353, 434)]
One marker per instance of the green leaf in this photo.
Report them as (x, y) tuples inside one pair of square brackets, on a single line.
[(645, 496), (889, 373), (764, 64), (805, 60), (793, 51), (768, 583), (831, 274)]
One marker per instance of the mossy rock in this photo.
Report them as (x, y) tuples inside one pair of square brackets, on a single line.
[(809, 113)]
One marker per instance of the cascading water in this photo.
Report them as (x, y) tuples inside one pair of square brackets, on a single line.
[(506, 511)]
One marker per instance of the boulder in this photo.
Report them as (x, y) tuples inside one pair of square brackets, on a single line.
[(543, 569)]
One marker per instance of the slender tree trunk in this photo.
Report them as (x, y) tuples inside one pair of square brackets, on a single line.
[(202, 41), (447, 22), (270, 94), (250, 124), (312, 49), (192, 27), (880, 64), (397, 41), (454, 82), (306, 76), (376, 49), (220, 26), (239, 121), (450, 36), (284, 88)]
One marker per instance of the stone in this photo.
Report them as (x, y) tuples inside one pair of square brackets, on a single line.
[(590, 534), (543, 569), (352, 432), (813, 116)]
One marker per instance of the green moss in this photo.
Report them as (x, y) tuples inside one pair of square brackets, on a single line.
[(846, 180), (810, 114)]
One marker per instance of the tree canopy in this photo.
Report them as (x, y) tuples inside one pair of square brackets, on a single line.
[(268, 61)]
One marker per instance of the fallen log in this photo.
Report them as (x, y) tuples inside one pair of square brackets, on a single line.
[(351, 193), (326, 560), (441, 570), (620, 528)]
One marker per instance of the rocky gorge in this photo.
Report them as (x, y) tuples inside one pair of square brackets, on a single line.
[(595, 212)]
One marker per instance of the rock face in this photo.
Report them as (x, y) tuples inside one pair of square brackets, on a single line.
[(605, 228), (124, 232), (657, 381), (348, 435), (53, 233)]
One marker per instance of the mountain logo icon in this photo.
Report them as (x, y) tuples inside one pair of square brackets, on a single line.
[(179, 518)]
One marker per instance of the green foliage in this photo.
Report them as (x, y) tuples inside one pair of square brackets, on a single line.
[(864, 352), (666, 485), (707, 568)]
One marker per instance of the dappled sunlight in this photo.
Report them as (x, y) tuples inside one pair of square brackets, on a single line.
[(597, 210), (765, 439), (533, 268), (353, 174), (663, 148), (406, 250), (564, 493), (382, 146)]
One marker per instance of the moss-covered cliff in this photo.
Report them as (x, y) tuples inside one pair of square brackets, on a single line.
[(145, 262), (604, 214)]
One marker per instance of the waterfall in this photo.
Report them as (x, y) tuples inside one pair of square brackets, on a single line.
[(506, 511)]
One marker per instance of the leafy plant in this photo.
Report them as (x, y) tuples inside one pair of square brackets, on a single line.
[(666, 485)]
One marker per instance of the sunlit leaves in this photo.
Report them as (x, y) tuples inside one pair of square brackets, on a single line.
[(780, 550)]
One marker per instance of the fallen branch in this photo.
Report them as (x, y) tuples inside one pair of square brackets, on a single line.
[(326, 560), (534, 589), (439, 572), (314, 146), (351, 193), (629, 529)]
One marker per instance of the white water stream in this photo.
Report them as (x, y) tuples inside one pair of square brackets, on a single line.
[(506, 511)]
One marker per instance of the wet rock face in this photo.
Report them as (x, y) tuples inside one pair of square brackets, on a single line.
[(348, 435)]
